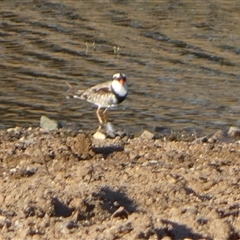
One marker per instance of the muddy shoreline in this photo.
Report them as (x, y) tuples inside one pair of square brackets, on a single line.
[(66, 184)]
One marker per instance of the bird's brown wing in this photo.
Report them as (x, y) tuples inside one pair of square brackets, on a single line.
[(100, 89)]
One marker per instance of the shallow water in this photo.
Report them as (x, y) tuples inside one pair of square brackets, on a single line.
[(181, 58)]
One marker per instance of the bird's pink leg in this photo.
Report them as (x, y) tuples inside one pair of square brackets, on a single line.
[(99, 118)]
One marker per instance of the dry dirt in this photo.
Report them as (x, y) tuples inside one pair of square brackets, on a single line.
[(67, 185)]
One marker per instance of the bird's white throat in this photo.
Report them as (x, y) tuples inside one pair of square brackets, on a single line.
[(120, 89)]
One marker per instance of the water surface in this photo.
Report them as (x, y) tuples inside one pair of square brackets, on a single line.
[(181, 58)]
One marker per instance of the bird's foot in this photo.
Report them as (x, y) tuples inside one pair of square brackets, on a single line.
[(107, 129)]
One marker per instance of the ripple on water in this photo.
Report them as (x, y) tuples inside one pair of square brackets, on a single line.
[(182, 62)]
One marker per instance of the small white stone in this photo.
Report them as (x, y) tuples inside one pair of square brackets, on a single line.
[(99, 136), (10, 130), (13, 170), (22, 139)]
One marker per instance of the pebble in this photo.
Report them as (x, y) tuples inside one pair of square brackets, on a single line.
[(147, 135), (2, 221), (19, 224), (13, 170), (200, 140), (10, 130), (202, 220), (99, 136), (17, 130), (166, 238), (234, 131), (219, 135), (30, 170), (48, 124), (109, 129), (191, 210)]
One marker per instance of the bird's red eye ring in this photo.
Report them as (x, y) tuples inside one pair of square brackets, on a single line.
[(122, 80)]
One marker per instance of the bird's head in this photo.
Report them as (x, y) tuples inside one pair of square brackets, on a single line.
[(121, 77)]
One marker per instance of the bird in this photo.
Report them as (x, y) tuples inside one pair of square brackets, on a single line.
[(105, 95)]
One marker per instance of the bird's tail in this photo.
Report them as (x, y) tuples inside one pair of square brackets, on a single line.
[(71, 93)]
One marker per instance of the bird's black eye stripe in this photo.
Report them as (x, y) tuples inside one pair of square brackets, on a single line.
[(123, 76), (119, 76)]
